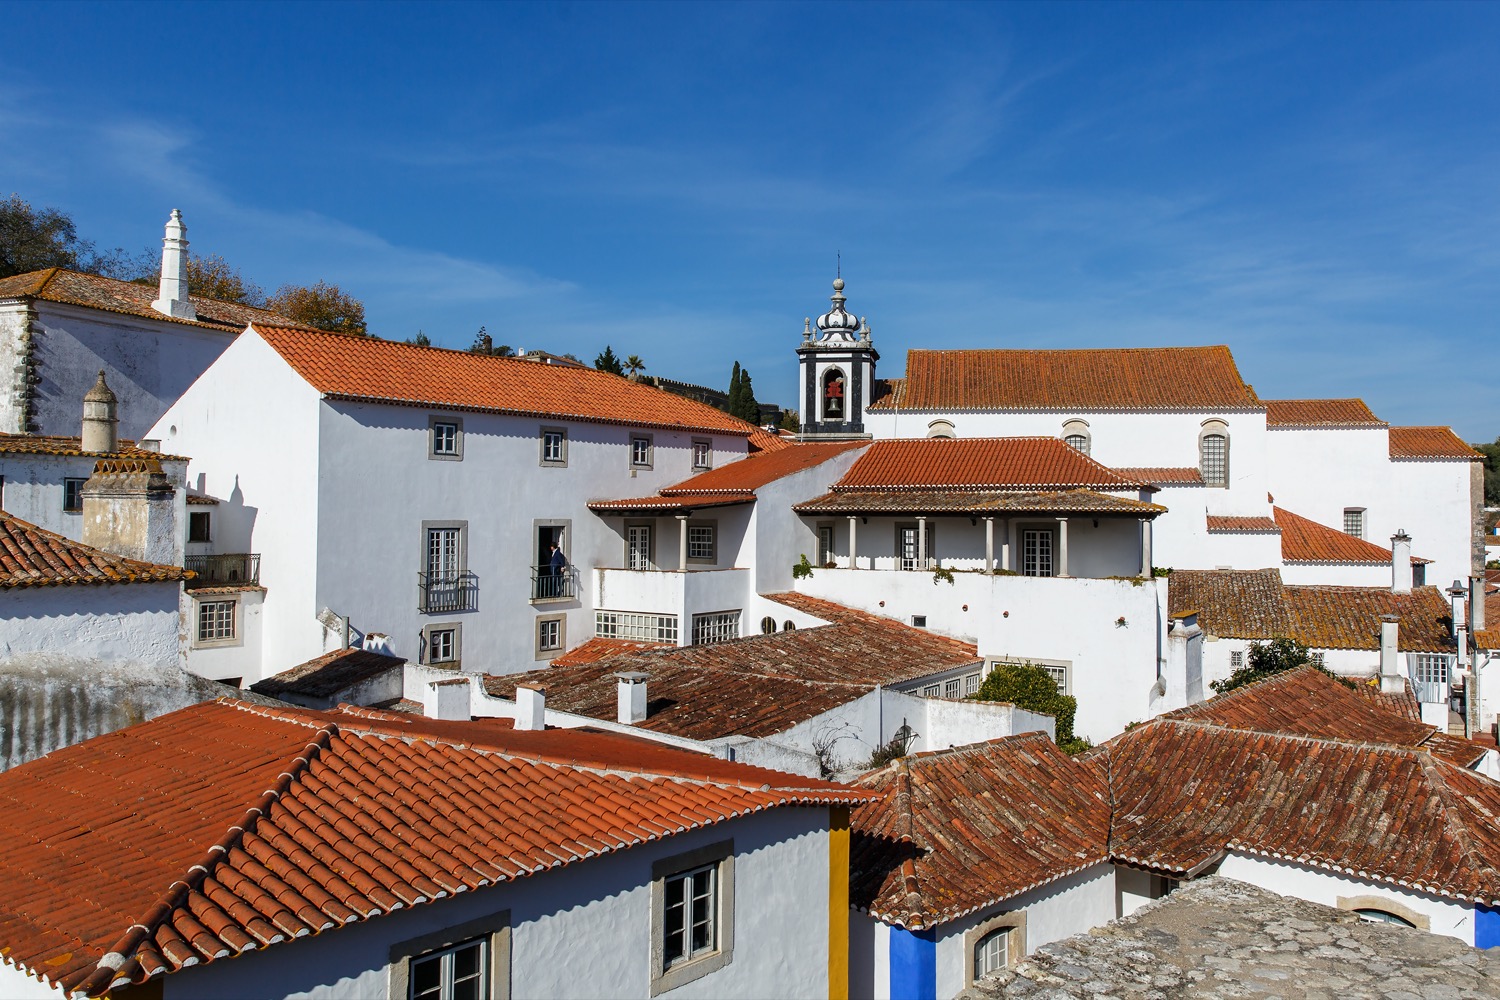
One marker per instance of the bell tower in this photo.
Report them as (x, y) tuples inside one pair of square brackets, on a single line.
[(837, 366)]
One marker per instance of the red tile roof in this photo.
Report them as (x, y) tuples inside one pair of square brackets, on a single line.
[(1320, 413), (366, 369), (1164, 476), (59, 285), (52, 444), (976, 502), (1305, 540), (1017, 463), (1430, 442), (1254, 604), (593, 650), (1239, 525), (750, 474), (325, 676), (764, 440), (224, 827), (1143, 378), (668, 505), (963, 829), (35, 557)]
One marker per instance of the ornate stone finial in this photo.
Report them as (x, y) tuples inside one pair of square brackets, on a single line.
[(99, 419), (172, 295), (806, 329), (836, 322)]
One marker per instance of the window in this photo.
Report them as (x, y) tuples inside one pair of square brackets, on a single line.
[(550, 635), (825, 545), (445, 439), (1056, 669), (1213, 453), (907, 556), (788, 626), (457, 973), (1059, 676), (441, 645), (445, 585), (701, 542), (932, 690), (1428, 668), (467, 962), (1076, 435), (1316, 659), (640, 452), (717, 626), (1036, 552), (641, 628), (767, 625), (952, 686), (919, 621), (1079, 443), (638, 547), (216, 621), (1370, 915), (703, 454), (993, 945), (1354, 521), (200, 526), (73, 495), (692, 916), (991, 954), (1236, 659), (971, 684), (554, 447)]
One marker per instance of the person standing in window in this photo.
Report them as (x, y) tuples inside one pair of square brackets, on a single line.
[(558, 562)]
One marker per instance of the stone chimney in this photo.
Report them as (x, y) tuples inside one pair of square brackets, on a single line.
[(172, 297), (1391, 681), (531, 707), (447, 700), (100, 425), (129, 508), (1401, 562), (631, 697)]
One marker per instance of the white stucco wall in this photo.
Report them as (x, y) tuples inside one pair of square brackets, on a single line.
[(241, 658), (122, 622), (32, 488), (1338, 574), (582, 930), (780, 535), (1434, 501), (18, 985)]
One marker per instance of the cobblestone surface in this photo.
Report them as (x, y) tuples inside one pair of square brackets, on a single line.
[(1224, 939)]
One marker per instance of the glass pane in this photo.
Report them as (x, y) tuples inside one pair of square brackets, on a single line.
[(427, 977)]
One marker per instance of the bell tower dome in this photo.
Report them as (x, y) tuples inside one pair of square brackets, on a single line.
[(837, 365)]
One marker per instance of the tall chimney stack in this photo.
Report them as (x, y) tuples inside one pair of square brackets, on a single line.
[(631, 697), (129, 508), (100, 425), (1401, 562), (172, 296), (1391, 681)]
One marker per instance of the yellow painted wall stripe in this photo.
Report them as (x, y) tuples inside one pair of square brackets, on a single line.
[(838, 903)]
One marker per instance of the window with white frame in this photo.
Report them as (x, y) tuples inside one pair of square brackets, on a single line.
[(1036, 552), (991, 953), (445, 438), (73, 494), (692, 916), (992, 945), (1236, 659), (216, 620), (716, 626), (638, 627), (549, 635), (457, 973), (1057, 670), (1429, 668), (1076, 435), (701, 542), (703, 454), (825, 545), (932, 691), (1079, 443), (638, 547), (1213, 454), (440, 646), (554, 446), (640, 451), (952, 686), (972, 682), (1354, 521), (1316, 659), (463, 961)]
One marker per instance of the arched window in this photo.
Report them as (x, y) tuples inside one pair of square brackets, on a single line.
[(1370, 915), (992, 953), (788, 626), (1076, 435), (835, 388), (1213, 453), (767, 625), (941, 429)]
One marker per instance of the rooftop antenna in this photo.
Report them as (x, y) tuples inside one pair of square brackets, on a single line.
[(838, 270)]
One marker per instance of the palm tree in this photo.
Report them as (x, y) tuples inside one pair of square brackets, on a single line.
[(634, 365)]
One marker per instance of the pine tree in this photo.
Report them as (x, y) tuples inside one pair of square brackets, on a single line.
[(733, 405), (608, 362), (749, 408)]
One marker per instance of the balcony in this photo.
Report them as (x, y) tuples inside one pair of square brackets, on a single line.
[(441, 595), (229, 569), (548, 584)]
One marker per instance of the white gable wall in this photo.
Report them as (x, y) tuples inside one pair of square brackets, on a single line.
[(103, 623)]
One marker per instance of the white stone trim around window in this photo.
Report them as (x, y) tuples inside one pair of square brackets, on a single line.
[(217, 621), (442, 644), (552, 447), (491, 934), (1075, 433), (642, 450), (677, 956), (445, 438), (1010, 928), (703, 454), (1386, 904)]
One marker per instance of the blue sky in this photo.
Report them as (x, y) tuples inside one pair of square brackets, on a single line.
[(1316, 186)]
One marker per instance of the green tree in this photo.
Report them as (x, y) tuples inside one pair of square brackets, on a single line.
[(790, 421), (1491, 453), (321, 306), (608, 362), (1266, 659), (1032, 688), (32, 239), (485, 344), (733, 404), (749, 409), (420, 340), (634, 365), (213, 277)]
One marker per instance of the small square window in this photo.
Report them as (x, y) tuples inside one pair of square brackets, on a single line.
[(73, 495), (703, 454), (701, 542), (1236, 659), (1354, 521), (551, 636), (445, 439), (919, 621), (200, 526), (554, 446), (216, 621), (640, 452), (442, 645)]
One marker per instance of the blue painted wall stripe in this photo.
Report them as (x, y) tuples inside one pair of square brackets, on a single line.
[(913, 965), (1486, 927)]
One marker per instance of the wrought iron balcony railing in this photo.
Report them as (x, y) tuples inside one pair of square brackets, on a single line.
[(228, 569), (548, 584), (438, 595)]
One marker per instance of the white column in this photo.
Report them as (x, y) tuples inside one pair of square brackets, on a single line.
[(682, 520), (989, 545), (1008, 554), (853, 547), (1145, 547), (921, 543), (1062, 546)]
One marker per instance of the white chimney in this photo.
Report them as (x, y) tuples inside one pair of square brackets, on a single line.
[(130, 509), (1391, 681), (172, 296), (448, 700), (100, 423), (1401, 562), (631, 699), (531, 707), (1458, 595)]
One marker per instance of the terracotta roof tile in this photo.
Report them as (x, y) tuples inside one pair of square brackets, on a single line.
[(59, 285), (1305, 540), (597, 649), (1220, 523), (1164, 476), (52, 444), (325, 676), (1254, 604), (35, 557), (764, 440), (1144, 378), (367, 369), (963, 829), (225, 827), (750, 474), (1430, 442), (666, 505), (975, 502), (1320, 413), (1036, 463)]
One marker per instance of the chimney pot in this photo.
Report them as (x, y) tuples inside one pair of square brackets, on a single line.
[(100, 421), (448, 700), (631, 697), (531, 707), (172, 294), (1401, 562), (1391, 681)]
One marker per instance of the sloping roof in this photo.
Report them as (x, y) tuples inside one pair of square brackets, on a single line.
[(1430, 443), (225, 827), (1305, 540), (650, 506), (1159, 476), (1016, 463), (366, 369), (757, 686), (35, 557), (55, 444), (975, 502), (593, 650), (325, 676), (1255, 604), (1320, 413), (959, 830), (1234, 524), (1140, 378), (59, 285), (764, 440), (750, 474)]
